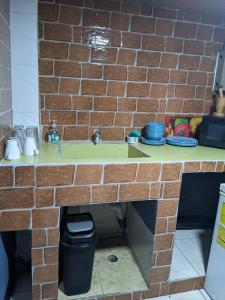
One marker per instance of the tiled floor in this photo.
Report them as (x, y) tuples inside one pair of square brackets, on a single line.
[(193, 295), (190, 255), (118, 277)]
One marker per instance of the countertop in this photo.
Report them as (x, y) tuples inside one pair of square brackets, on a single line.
[(49, 154)]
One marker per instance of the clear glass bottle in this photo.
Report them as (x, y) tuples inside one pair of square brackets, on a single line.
[(53, 134)]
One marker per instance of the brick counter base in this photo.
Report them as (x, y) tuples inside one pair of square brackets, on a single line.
[(30, 198)]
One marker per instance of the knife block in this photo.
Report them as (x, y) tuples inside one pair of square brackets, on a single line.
[(220, 106)]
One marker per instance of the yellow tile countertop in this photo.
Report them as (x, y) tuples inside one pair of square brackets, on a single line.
[(68, 153)]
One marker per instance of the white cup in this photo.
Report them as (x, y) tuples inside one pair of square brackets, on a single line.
[(29, 147), (12, 150)]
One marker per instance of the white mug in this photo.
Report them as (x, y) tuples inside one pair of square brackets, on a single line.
[(12, 150), (29, 147)]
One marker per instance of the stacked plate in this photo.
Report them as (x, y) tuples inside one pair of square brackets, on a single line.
[(181, 141), (159, 142)]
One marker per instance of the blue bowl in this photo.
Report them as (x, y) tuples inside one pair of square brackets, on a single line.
[(154, 131)]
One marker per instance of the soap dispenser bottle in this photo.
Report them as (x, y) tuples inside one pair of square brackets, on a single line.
[(53, 134)]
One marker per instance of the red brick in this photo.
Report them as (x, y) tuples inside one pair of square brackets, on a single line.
[(123, 119), (75, 133), (187, 62), (130, 8), (82, 103), (6, 176), (107, 5), (53, 50), (54, 175), (93, 87), (16, 198), (197, 78), (105, 104), (58, 32), (102, 118), (48, 12), (184, 91), (204, 32), (185, 30), (174, 45), (15, 220), (141, 119), (58, 102), (164, 13), (48, 85), (45, 217), (142, 24), (177, 76), (164, 27), (88, 174), (126, 57), (116, 88), (193, 106), (115, 72), (45, 67), (91, 71), (134, 191), (50, 290), (158, 91), (104, 193), (137, 73), (193, 47), (79, 52), (45, 273), (95, 18), (168, 61), (68, 86), (103, 55), (131, 40), (148, 59), (154, 42), (72, 195), (137, 89), (147, 105), (70, 15), (119, 21), (119, 173), (127, 104), (67, 69), (158, 75)]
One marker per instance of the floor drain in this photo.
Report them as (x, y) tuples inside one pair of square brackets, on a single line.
[(112, 258)]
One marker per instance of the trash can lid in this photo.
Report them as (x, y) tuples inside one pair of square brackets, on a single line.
[(80, 224)]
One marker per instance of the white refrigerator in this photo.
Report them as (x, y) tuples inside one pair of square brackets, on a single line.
[(215, 275)]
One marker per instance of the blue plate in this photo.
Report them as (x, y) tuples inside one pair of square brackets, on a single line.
[(153, 142), (181, 141)]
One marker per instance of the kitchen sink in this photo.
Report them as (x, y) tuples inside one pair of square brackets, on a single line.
[(76, 150)]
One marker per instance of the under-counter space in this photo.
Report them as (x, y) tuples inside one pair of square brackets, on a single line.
[(50, 154)]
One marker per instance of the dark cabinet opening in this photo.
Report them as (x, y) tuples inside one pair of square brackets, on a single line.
[(15, 265)]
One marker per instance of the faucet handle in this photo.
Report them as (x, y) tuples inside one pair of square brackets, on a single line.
[(98, 132)]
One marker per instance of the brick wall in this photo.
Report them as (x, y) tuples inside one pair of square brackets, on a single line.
[(5, 72), (117, 65), (37, 192)]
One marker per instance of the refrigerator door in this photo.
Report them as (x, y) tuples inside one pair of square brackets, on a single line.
[(215, 284)]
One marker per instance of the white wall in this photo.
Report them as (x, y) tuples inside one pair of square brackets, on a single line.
[(24, 60)]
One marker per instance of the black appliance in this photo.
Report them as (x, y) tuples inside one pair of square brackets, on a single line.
[(212, 132)]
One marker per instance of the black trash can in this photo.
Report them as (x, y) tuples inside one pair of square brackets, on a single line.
[(77, 249)]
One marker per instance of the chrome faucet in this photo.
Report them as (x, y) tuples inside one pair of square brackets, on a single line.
[(97, 136)]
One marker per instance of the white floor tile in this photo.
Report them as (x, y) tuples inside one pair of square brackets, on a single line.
[(193, 295), (181, 267), (196, 251), (206, 296), (189, 234)]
